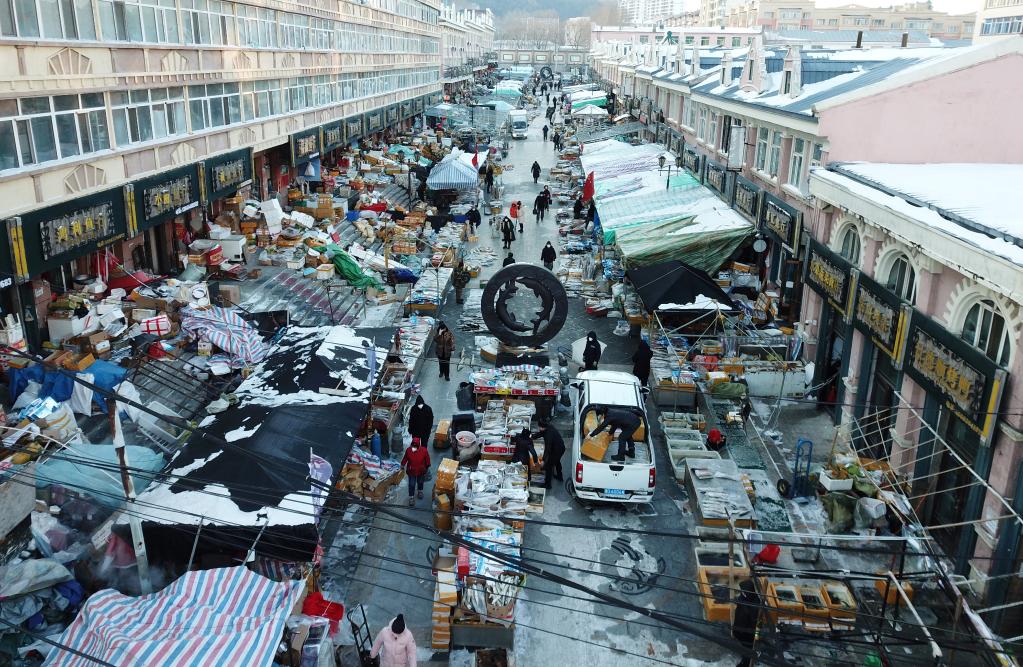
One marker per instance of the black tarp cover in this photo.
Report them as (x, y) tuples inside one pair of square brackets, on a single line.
[(282, 419), (675, 282)]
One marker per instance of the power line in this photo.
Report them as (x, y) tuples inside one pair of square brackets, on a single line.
[(63, 647)]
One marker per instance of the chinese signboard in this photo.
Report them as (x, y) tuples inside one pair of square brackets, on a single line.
[(969, 383), (406, 109), (717, 178), (225, 174), (333, 135), (160, 198), (45, 239), (779, 220), (880, 314), (747, 198), (691, 161), (392, 114), (305, 146), (419, 105), (828, 275), (353, 128), (374, 121)]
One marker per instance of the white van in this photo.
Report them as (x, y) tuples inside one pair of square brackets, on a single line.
[(519, 119), (630, 481)]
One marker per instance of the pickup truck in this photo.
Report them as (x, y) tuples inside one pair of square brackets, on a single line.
[(605, 479)]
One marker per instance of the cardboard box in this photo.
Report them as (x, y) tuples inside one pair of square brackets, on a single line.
[(95, 343), (79, 362), (151, 303), (446, 472), (441, 435), (230, 294), (596, 447)]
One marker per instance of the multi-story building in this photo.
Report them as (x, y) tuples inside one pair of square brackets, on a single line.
[(643, 35), (558, 58), (806, 15), (467, 40), (124, 123), (931, 251), (999, 18), (638, 12)]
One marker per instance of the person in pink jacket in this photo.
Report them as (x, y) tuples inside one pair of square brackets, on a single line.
[(395, 645)]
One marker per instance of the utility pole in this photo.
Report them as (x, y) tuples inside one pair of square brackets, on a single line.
[(137, 538)]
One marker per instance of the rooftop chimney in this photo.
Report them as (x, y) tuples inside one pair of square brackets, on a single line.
[(905, 39), (859, 39)]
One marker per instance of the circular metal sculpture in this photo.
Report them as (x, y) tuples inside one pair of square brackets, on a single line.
[(499, 308), (546, 72)]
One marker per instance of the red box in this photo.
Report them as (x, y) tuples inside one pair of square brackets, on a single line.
[(463, 562)]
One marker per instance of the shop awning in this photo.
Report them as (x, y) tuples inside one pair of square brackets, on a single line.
[(678, 286), (250, 466), (227, 616), (453, 173)]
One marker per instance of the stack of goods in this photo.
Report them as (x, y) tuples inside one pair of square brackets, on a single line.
[(492, 434), (369, 476), (523, 380), (633, 308), (429, 290), (573, 270), (414, 333), (613, 270), (471, 318), (445, 598), (477, 258), (490, 587), (444, 493)]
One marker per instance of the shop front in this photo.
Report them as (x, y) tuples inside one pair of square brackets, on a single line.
[(832, 277), (747, 199), (781, 223), (406, 111), (227, 176), (9, 303), (720, 180), (355, 129), (374, 122), (53, 245), (391, 117), (964, 391), (881, 317), (171, 197)]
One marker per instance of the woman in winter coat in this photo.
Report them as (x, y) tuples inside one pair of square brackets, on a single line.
[(416, 463), (641, 362), (507, 232), (591, 353), (395, 645), (420, 420), (548, 255), (445, 345), (536, 171), (525, 452)]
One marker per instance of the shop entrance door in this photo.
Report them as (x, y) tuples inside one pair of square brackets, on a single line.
[(952, 489), (874, 433), (830, 362)]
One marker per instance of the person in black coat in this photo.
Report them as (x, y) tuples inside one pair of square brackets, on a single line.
[(746, 619), (591, 213), (624, 421), (525, 452), (577, 208), (508, 261), (548, 255), (557, 141), (536, 171), (507, 232), (420, 421), (591, 353), (553, 450), (539, 207), (490, 178), (474, 218), (641, 362), (545, 131)]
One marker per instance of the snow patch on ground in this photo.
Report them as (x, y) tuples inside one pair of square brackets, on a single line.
[(240, 433)]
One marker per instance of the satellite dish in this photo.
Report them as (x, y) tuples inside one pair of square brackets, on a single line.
[(760, 245)]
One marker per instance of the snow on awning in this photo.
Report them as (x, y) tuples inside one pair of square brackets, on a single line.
[(227, 616)]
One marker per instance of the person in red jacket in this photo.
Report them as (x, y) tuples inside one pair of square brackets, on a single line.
[(416, 463)]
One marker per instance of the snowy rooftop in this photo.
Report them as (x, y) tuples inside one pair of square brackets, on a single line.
[(971, 202)]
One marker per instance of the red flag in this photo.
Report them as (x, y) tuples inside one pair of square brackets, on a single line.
[(588, 187), (476, 160)]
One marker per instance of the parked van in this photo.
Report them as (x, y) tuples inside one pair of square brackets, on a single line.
[(519, 123), (609, 480)]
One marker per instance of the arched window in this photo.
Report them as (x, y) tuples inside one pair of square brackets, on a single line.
[(902, 279), (984, 328), (850, 248)]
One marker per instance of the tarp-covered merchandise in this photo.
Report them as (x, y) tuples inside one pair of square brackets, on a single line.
[(678, 286), (452, 173), (227, 616), (347, 267), (227, 330)]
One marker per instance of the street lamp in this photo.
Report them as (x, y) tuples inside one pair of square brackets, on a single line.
[(661, 160)]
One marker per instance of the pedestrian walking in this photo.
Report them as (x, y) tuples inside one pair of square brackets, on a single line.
[(641, 362), (420, 420), (548, 98), (555, 139), (548, 197), (540, 207), (626, 423), (577, 208), (536, 171), (514, 211), (395, 645), (445, 346), (474, 218), (592, 351), (509, 260), (416, 463), (525, 452), (545, 131), (548, 255), (553, 450), (507, 232), (460, 278), (746, 619), (490, 178)]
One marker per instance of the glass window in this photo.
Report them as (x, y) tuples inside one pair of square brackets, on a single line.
[(796, 163), (851, 245), (774, 155), (152, 21), (761, 156), (985, 329), (902, 279)]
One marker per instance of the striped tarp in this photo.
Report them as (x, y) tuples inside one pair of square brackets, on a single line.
[(226, 330), (228, 616)]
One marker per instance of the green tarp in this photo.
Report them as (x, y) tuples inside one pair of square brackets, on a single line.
[(690, 240), (347, 268)]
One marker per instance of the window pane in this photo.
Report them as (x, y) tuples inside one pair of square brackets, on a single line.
[(195, 110), (132, 22), (149, 24), (216, 112), (92, 100), (84, 19), (42, 139), (139, 96), (121, 127), (8, 148), (7, 19), (30, 105), (177, 118), (107, 23), (50, 19), (145, 124), (159, 122), (25, 142), (233, 109), (67, 11), (98, 130), (65, 102), (67, 134)]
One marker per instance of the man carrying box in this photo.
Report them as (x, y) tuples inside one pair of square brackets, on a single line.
[(625, 421)]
